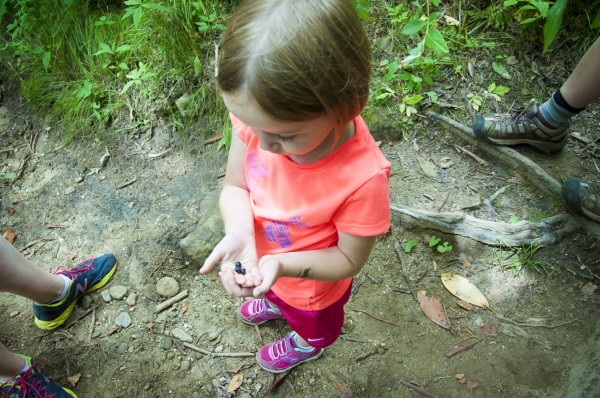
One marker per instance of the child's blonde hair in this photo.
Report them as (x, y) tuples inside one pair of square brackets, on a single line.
[(298, 59)]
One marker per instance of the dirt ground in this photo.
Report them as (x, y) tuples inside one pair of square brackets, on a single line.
[(138, 197)]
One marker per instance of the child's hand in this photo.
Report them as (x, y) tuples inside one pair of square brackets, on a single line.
[(270, 269), (248, 274)]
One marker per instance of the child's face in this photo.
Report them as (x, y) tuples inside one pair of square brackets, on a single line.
[(302, 142)]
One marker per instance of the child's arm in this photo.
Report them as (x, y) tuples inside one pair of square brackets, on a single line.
[(335, 263), (238, 243)]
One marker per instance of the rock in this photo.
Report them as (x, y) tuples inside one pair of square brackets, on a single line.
[(123, 347), (167, 286), (105, 296), (87, 302), (185, 365), (209, 231), (131, 299), (166, 342), (117, 292), (182, 335), (123, 320), (69, 190)]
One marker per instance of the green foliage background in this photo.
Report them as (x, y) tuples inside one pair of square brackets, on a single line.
[(103, 68)]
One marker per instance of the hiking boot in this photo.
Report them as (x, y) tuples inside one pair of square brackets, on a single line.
[(583, 198), (281, 356), (257, 312), (86, 277), (33, 384), (523, 127)]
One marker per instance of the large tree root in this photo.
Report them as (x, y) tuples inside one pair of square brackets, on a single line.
[(543, 232)]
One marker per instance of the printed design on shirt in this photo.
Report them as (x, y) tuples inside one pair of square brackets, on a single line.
[(256, 172), (278, 232)]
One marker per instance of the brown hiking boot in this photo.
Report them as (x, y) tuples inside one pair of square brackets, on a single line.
[(523, 127), (583, 198)]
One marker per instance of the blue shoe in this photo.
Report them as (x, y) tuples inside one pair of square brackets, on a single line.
[(33, 384), (583, 197), (86, 277)]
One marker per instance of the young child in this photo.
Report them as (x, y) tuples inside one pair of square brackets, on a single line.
[(306, 188)]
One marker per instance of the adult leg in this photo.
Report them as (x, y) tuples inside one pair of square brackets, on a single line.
[(583, 85)]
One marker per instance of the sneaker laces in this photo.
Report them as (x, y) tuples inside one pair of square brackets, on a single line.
[(280, 348), (594, 187), (26, 386), (73, 273), (257, 306)]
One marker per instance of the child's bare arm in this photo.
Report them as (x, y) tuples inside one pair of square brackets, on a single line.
[(335, 263)]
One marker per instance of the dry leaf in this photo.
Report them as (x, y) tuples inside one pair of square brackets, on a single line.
[(185, 308), (463, 304), (489, 329), (459, 376), (9, 235), (10, 211), (462, 288), (472, 384), (74, 379), (235, 383), (466, 263), (432, 307)]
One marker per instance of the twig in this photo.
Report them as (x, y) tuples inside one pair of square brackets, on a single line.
[(400, 253), (444, 202), (12, 149), (533, 325), (158, 155), (91, 333), (498, 193), (159, 265), (364, 356), (127, 183), (167, 303), (218, 354), (473, 156), (80, 318), (460, 349), (40, 240), (374, 317), (418, 388)]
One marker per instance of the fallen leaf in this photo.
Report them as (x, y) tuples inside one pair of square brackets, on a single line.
[(184, 309), (467, 306), (489, 329), (462, 288), (74, 379), (342, 389), (432, 307), (466, 263), (213, 139), (235, 383), (459, 376), (10, 211), (472, 384), (9, 235)]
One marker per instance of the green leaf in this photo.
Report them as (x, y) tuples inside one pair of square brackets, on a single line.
[(509, 3), (197, 66), (500, 69), (553, 22), (434, 240), (412, 27), (435, 41), (84, 91), (596, 21), (412, 99), (10, 175), (513, 219), (46, 59), (409, 246), (501, 90)]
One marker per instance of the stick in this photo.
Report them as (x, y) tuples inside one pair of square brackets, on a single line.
[(374, 317), (533, 325), (463, 348), (218, 354), (400, 254), (473, 156), (418, 388), (167, 303), (127, 183)]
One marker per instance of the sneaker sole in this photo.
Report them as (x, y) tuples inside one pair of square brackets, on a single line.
[(570, 190), (289, 368), (548, 148), (51, 325)]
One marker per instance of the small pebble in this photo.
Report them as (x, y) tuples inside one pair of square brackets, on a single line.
[(166, 343), (106, 296), (87, 302), (182, 335), (117, 292), (185, 365), (131, 299), (167, 286), (123, 347), (123, 320), (14, 314)]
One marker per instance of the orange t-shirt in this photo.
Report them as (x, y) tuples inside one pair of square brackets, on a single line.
[(302, 207)]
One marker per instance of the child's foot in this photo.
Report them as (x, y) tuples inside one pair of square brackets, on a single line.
[(521, 128), (86, 277), (583, 198), (257, 312), (33, 384), (285, 354)]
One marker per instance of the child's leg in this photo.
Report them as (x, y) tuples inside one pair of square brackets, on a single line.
[(10, 364), (20, 276)]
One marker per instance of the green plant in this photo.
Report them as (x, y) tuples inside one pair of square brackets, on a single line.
[(522, 259), (445, 247), (136, 10), (409, 246)]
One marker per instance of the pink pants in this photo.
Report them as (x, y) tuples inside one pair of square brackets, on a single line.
[(319, 328)]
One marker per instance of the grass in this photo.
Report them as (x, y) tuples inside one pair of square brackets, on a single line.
[(523, 260), (110, 67)]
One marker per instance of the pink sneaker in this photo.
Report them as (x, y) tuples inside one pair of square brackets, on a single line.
[(257, 312), (281, 355)]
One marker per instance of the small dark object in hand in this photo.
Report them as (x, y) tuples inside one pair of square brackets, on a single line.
[(239, 269)]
